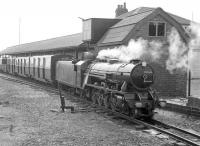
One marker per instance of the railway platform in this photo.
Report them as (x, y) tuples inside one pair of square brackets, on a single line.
[(181, 105)]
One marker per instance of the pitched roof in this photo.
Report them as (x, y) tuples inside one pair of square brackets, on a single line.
[(132, 19), (142, 10), (119, 31), (136, 11), (180, 20), (68, 41), (116, 34)]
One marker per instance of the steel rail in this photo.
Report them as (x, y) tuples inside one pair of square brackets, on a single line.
[(177, 137), (30, 83), (176, 128)]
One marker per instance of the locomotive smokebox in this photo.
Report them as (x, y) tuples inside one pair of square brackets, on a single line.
[(142, 76)]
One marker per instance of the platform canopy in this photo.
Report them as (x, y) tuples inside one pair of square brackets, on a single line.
[(53, 44)]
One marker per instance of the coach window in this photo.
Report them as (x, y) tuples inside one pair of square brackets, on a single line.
[(156, 29), (21, 65), (29, 65), (24, 66), (43, 69), (18, 65), (13, 65), (17, 62), (38, 67), (33, 66)]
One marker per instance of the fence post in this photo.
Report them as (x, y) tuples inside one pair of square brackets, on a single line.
[(62, 100)]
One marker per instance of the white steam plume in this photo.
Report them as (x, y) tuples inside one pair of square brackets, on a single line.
[(194, 43), (179, 52), (135, 50), (178, 57), (195, 36)]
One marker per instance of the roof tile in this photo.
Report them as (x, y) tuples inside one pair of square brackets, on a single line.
[(135, 12), (132, 19), (116, 34)]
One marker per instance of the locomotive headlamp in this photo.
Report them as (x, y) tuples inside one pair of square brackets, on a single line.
[(144, 64), (162, 103), (138, 104)]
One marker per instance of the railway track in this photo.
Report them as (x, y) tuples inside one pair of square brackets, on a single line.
[(32, 83), (154, 124), (163, 130), (167, 126)]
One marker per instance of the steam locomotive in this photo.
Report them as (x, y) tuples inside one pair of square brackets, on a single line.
[(122, 87)]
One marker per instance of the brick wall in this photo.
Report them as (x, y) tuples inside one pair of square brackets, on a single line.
[(167, 84)]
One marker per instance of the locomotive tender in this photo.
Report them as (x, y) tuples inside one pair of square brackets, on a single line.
[(123, 87)]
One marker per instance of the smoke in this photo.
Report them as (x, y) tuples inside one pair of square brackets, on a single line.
[(136, 49), (194, 35), (178, 53)]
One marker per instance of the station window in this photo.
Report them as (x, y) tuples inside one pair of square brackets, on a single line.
[(152, 29), (156, 29), (161, 29)]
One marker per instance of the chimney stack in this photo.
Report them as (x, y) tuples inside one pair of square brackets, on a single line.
[(124, 5), (121, 9)]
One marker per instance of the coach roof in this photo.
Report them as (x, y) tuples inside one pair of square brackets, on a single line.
[(64, 42)]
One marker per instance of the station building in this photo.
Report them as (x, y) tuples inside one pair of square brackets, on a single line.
[(99, 33)]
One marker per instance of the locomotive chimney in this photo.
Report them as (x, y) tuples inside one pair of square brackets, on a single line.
[(121, 10)]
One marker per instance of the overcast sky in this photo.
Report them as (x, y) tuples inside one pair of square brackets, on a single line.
[(43, 19)]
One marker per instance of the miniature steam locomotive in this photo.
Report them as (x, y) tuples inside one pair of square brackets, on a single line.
[(123, 87)]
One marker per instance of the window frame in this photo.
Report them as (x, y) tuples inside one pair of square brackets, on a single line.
[(38, 66), (156, 23), (43, 67), (34, 63), (24, 66), (21, 67)]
